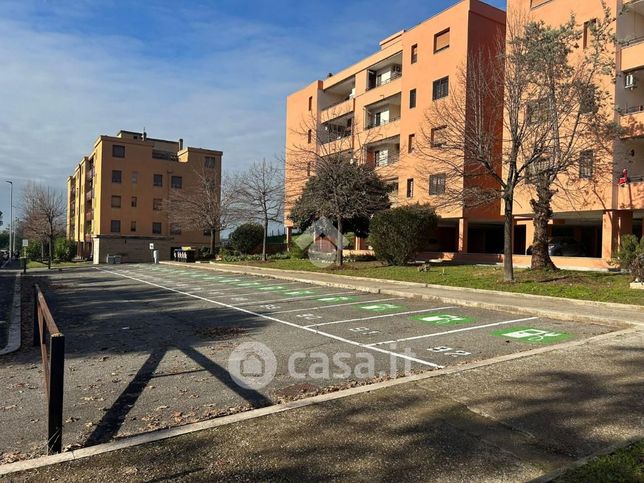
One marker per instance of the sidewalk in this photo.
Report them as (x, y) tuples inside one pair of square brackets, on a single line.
[(9, 308), (533, 305), (507, 421)]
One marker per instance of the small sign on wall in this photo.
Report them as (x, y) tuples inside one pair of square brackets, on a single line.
[(25, 243), (151, 246)]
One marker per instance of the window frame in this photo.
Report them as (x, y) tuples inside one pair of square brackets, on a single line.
[(117, 153), (156, 176), (157, 204), (114, 198), (112, 224), (437, 36), (411, 139), (132, 226), (134, 201), (410, 188), (120, 176), (438, 86), (437, 184), (413, 55), (208, 161), (586, 164), (174, 185), (154, 225), (412, 98), (433, 132)]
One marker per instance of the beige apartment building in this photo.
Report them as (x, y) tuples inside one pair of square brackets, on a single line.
[(116, 196), (374, 111)]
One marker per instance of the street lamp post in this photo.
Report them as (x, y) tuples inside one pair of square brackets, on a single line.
[(11, 234)]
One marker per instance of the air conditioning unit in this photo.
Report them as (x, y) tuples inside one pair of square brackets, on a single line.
[(630, 81), (397, 68)]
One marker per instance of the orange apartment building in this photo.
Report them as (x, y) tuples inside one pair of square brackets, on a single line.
[(386, 94), (117, 192), (608, 210), (374, 109)]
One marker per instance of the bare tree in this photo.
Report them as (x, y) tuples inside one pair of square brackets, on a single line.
[(206, 206), (260, 195), (43, 215)]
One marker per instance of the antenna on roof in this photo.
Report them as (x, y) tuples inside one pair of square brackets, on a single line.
[(145, 135)]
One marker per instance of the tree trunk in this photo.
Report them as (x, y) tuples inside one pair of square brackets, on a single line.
[(265, 240), (51, 246), (339, 258), (212, 242), (508, 225), (542, 213)]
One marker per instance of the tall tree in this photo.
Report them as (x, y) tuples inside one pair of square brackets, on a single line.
[(206, 206), (568, 65), (260, 195), (43, 215), (343, 191)]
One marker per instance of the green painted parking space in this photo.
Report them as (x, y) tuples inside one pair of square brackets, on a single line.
[(442, 319), (339, 298), (382, 307), (531, 335), (272, 288), (299, 293), (248, 284)]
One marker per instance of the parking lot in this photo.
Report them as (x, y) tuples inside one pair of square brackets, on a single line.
[(148, 346)]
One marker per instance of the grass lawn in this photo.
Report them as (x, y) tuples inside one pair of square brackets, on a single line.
[(600, 286), (36, 264), (624, 465)]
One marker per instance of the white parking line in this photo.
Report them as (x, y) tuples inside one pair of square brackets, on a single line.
[(380, 316), (284, 322), (464, 329), (305, 297), (334, 305)]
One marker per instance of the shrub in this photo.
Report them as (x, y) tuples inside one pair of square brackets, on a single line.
[(247, 238), (64, 250), (637, 267), (34, 250), (629, 249), (396, 234)]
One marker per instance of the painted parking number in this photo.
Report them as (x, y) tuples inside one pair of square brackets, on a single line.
[(309, 316), (270, 307), (364, 330), (449, 351)]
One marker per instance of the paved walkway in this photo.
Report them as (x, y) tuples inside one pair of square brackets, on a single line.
[(7, 286), (509, 421), (534, 305)]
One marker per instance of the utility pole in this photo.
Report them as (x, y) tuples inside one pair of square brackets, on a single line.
[(11, 234)]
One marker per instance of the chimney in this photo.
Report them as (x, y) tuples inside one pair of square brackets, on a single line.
[(180, 143)]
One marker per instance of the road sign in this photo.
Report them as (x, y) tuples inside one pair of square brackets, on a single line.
[(25, 243)]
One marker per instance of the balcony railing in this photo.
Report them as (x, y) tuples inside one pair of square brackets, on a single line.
[(625, 111), (89, 195), (159, 154), (373, 123), (329, 137), (89, 216), (389, 160), (381, 82)]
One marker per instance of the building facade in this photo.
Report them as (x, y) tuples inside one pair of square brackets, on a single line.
[(376, 108), (117, 194), (605, 209)]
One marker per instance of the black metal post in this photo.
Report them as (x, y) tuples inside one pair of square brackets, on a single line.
[(36, 325), (55, 403)]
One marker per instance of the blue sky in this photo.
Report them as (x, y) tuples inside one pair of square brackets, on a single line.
[(215, 73)]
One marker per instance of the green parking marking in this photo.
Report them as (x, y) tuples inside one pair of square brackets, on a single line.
[(381, 307), (442, 319), (248, 284), (271, 288), (530, 335), (230, 280), (337, 299), (299, 293)]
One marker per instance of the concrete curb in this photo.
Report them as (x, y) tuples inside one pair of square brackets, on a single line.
[(13, 343), (520, 307), (164, 434)]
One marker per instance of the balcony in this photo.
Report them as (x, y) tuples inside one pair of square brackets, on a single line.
[(166, 155), (631, 195), (377, 122), (90, 173), (632, 122), (630, 32), (338, 109), (384, 153), (89, 195), (89, 216), (384, 72), (633, 54), (337, 129)]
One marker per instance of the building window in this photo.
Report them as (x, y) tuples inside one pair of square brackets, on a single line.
[(589, 28), (412, 98), (115, 226), (310, 103), (410, 188), (116, 176), (135, 177), (437, 184), (209, 162), (309, 136), (118, 151), (536, 111), (439, 136), (133, 202), (116, 201), (587, 104), (156, 228), (308, 169), (410, 143), (156, 204), (414, 53), (176, 182), (586, 164), (441, 88), (441, 41), (175, 229), (133, 226), (158, 180)]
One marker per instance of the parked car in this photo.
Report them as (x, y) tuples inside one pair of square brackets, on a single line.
[(563, 246)]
